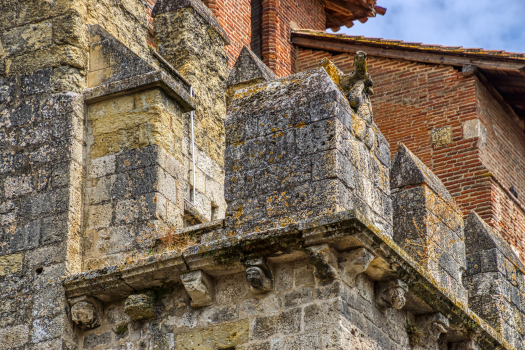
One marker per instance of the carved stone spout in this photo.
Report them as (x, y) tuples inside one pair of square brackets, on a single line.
[(259, 275), (433, 325)]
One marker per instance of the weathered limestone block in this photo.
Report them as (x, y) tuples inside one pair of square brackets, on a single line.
[(200, 288), (324, 260), (259, 275), (11, 264), (467, 345), (391, 294), (433, 325), (354, 263), (140, 307), (86, 312), (427, 223)]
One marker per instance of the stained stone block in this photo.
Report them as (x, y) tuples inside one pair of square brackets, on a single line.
[(140, 307), (200, 288), (86, 312)]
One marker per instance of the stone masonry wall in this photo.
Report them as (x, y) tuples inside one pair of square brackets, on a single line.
[(197, 51), (43, 69)]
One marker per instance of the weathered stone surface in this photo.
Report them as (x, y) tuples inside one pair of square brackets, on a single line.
[(164, 6), (140, 307), (216, 337), (11, 264)]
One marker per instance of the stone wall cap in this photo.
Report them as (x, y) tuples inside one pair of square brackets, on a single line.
[(153, 79), (249, 67), (408, 170), (164, 6)]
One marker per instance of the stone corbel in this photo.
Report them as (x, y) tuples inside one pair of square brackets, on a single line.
[(259, 275), (324, 260), (140, 307), (391, 294), (86, 312), (200, 288), (433, 325), (354, 263)]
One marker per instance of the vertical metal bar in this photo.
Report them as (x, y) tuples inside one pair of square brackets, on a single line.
[(193, 150)]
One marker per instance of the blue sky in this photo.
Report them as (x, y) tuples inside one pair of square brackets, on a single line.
[(488, 24)]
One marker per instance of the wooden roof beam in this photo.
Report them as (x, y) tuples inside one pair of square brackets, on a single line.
[(425, 57)]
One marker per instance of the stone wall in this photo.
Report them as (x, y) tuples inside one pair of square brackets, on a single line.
[(195, 46)]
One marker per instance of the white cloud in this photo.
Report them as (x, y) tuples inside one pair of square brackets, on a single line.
[(488, 24)]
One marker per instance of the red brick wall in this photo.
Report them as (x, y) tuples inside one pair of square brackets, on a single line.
[(278, 52), (277, 17), (411, 99), (235, 17), (504, 155)]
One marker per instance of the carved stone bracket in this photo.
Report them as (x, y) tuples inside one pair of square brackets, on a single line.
[(324, 260), (86, 312), (140, 307), (354, 263), (391, 294), (200, 288), (259, 275), (433, 324)]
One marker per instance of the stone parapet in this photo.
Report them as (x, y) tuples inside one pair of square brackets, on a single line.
[(495, 280)]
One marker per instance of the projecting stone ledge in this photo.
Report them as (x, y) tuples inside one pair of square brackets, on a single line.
[(354, 246), (145, 81)]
